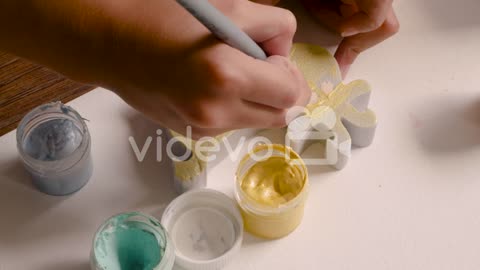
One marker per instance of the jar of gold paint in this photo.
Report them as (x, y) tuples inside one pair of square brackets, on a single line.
[(271, 188)]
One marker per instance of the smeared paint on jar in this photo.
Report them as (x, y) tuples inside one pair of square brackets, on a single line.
[(53, 140), (54, 145), (132, 241), (271, 192)]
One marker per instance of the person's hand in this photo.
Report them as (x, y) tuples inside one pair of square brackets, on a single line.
[(166, 64), (362, 23)]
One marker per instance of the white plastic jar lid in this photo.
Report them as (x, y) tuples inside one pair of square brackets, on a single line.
[(206, 228)]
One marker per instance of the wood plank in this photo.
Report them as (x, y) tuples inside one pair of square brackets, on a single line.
[(24, 86)]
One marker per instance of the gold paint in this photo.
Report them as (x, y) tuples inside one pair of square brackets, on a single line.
[(273, 226), (320, 68), (273, 182), (317, 66), (271, 193), (187, 170)]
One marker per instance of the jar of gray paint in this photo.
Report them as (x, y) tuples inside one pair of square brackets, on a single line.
[(54, 145)]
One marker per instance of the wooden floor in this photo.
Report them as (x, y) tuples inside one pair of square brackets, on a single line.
[(24, 85)]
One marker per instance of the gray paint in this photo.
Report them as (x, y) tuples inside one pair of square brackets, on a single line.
[(54, 144)]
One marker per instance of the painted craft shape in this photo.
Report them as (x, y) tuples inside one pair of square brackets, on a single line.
[(338, 116), (190, 165)]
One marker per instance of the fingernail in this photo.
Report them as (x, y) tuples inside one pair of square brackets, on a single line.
[(349, 33)]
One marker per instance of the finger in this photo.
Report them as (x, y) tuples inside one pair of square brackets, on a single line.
[(327, 12), (372, 14), (306, 93), (276, 83), (254, 115), (348, 9), (272, 27), (253, 93), (244, 114), (351, 47)]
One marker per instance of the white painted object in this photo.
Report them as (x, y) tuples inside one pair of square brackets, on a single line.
[(189, 172), (339, 117)]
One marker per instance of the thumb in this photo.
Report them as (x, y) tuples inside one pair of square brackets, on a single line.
[(272, 28)]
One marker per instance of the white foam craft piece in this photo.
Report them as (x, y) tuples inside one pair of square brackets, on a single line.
[(190, 172), (354, 123), (338, 116)]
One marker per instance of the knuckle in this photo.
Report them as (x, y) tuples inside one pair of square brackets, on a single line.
[(220, 76), (375, 23), (290, 99), (392, 26), (288, 22), (226, 6), (201, 114)]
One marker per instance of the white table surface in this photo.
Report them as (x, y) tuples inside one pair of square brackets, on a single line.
[(410, 201)]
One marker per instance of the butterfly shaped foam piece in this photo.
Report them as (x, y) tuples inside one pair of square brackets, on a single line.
[(338, 116)]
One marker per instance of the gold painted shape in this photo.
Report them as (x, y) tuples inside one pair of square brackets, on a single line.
[(195, 166), (356, 123)]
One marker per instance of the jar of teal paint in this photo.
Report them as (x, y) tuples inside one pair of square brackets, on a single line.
[(132, 241), (54, 145)]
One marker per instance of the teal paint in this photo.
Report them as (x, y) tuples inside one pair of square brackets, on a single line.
[(129, 243)]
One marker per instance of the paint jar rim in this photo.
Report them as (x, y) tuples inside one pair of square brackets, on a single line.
[(204, 199), (250, 205), (150, 222), (42, 114)]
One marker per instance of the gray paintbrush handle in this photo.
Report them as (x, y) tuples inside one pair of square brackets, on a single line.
[(222, 27)]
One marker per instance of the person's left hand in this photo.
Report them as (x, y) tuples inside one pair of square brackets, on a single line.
[(362, 23)]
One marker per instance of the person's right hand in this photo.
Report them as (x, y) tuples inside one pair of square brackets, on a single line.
[(167, 65)]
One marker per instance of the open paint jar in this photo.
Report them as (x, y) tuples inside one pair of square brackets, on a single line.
[(271, 188), (206, 228), (132, 241), (54, 145)]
